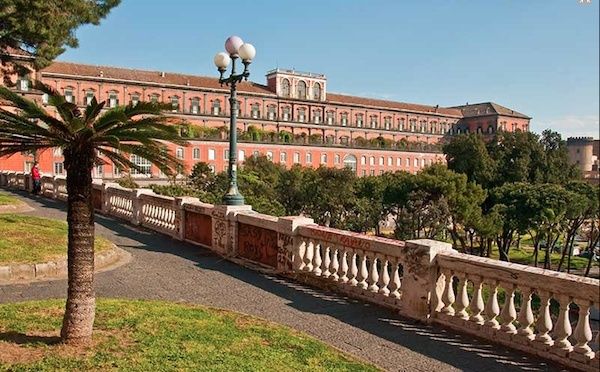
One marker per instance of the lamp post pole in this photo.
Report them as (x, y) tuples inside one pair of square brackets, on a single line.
[(236, 48)]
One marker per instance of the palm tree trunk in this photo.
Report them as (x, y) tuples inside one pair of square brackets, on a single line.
[(81, 299)]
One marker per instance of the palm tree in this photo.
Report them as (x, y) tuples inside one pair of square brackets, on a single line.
[(138, 129)]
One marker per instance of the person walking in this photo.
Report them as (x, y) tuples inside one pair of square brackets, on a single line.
[(37, 178)]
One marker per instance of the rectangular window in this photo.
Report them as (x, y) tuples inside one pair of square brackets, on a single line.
[(89, 96), (372, 160), (308, 158), (372, 172), (364, 172), (336, 159), (296, 157), (113, 101), (270, 155), (45, 98), (154, 98), (195, 108), (211, 154), (282, 157), (330, 118), (179, 153), (116, 170), (390, 161), (407, 162), (59, 168), (196, 153), (69, 95), (142, 163), (241, 155), (286, 113), (24, 83), (135, 99), (381, 160), (226, 154), (416, 163), (398, 162), (99, 171), (174, 103), (271, 113), (256, 153), (301, 115), (363, 160), (344, 119), (323, 158)]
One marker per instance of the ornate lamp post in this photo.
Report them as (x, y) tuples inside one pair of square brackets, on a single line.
[(235, 48)]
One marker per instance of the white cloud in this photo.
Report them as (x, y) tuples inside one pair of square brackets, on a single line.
[(570, 125)]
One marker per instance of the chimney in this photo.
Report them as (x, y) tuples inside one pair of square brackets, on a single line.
[(162, 74), (101, 73)]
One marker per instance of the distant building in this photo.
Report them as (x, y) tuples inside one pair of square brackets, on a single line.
[(293, 119), (584, 152)]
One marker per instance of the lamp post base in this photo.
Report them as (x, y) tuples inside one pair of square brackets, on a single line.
[(233, 199)]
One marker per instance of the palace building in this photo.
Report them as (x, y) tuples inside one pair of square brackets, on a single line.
[(292, 119)]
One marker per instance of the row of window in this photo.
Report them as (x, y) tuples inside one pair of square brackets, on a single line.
[(412, 125), (302, 91)]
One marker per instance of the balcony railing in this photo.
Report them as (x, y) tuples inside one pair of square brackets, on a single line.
[(541, 312)]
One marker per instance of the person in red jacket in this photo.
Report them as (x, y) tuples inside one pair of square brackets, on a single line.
[(37, 178)]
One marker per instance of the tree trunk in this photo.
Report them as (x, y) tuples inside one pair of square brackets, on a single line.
[(81, 300)]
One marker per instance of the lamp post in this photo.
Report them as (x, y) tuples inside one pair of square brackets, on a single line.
[(235, 48)]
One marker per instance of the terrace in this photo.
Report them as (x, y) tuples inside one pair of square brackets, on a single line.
[(432, 287)]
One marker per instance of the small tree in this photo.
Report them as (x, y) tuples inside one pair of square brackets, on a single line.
[(83, 135)]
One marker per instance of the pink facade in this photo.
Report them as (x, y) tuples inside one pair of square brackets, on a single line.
[(372, 135)]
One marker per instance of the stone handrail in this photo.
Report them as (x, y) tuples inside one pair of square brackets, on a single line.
[(541, 312), (517, 310)]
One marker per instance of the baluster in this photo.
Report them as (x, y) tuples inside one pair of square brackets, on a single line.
[(583, 332), (308, 257), (335, 265), (299, 256), (317, 259), (562, 328), (509, 314), (544, 322), (344, 266), (448, 295), (374, 275), (492, 309), (384, 278), (353, 269), (462, 302), (395, 283), (325, 273), (526, 315), (363, 273)]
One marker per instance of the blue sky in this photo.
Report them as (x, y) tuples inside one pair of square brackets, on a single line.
[(539, 57)]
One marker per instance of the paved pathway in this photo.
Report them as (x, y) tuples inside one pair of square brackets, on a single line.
[(165, 269)]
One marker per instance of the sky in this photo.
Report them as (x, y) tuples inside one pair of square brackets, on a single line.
[(538, 57)]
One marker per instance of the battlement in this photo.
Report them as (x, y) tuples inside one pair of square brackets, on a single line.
[(580, 140)]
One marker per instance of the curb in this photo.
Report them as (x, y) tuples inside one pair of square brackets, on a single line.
[(54, 270)]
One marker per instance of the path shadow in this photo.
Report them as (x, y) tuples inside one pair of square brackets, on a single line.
[(24, 339), (461, 351)]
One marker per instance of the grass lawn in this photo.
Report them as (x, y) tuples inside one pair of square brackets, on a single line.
[(6, 199), (26, 239), (160, 336), (525, 256)]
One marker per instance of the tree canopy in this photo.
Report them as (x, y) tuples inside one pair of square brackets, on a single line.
[(45, 28)]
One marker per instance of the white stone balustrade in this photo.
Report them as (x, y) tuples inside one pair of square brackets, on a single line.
[(541, 312), (519, 306)]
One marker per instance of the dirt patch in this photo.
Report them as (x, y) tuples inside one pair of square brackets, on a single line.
[(19, 348)]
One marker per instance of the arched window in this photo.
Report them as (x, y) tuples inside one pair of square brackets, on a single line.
[(317, 91), (301, 90), (350, 162), (285, 87)]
